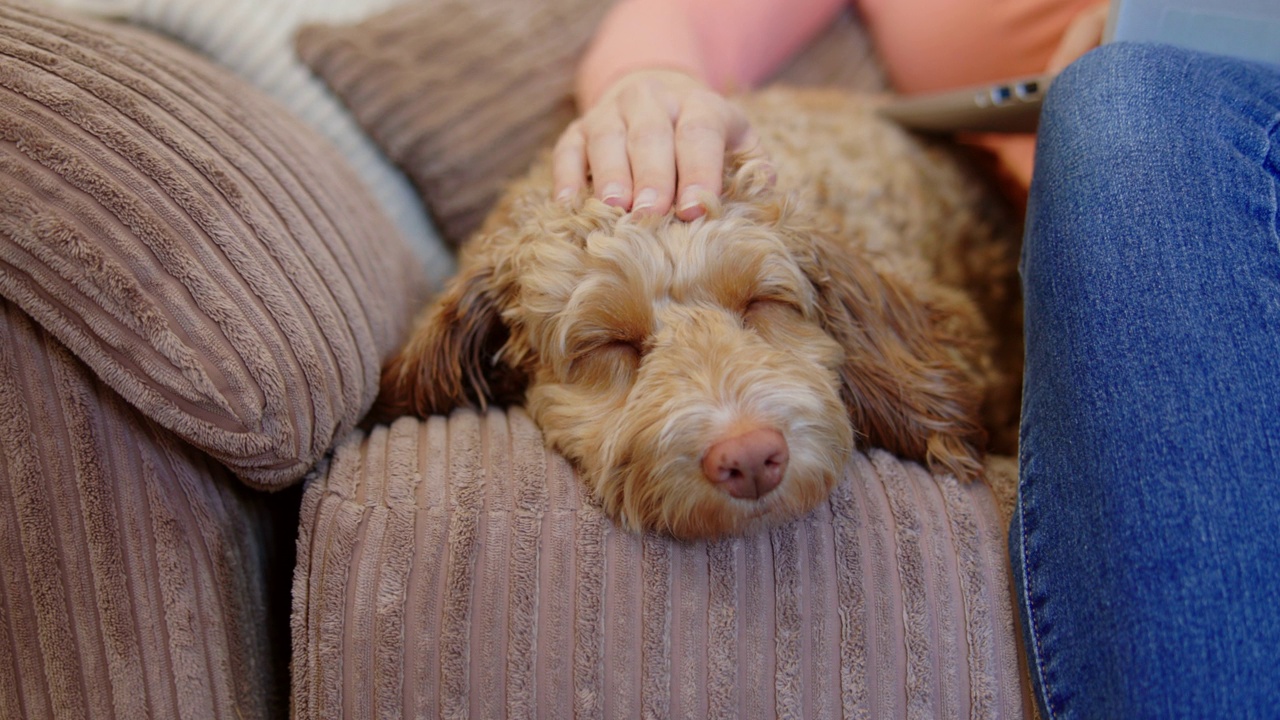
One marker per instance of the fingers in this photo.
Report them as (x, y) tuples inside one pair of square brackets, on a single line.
[(655, 140), (700, 146), (569, 162), (704, 133), (607, 158), (651, 150)]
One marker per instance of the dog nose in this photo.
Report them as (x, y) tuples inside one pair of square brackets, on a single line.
[(749, 465)]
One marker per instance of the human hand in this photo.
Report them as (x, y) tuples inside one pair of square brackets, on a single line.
[(654, 139), (1082, 35)]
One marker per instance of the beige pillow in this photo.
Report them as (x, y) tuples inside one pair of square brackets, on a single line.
[(462, 94), (210, 257)]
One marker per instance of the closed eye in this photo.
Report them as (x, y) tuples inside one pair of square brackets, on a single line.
[(629, 347), (768, 309), (610, 362)]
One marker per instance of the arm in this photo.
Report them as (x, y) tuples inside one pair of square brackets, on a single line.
[(728, 44)]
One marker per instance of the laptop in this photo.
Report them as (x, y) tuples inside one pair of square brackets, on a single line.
[(1248, 29)]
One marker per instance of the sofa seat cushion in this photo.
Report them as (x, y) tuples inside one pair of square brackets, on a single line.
[(213, 259), (135, 572), (453, 565)]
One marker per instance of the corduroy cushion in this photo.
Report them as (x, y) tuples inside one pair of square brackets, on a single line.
[(134, 570), (452, 566), (254, 39), (463, 94), (211, 258)]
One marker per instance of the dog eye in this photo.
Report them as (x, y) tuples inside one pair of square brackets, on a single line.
[(610, 362), (763, 309), (631, 348)]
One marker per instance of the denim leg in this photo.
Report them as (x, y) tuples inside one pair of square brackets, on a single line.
[(1146, 543)]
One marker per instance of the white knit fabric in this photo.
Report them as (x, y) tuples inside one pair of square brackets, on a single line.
[(254, 38)]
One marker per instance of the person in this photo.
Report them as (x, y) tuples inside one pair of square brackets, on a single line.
[(1143, 543), (656, 122)]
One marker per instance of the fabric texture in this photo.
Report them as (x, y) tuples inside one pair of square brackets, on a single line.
[(254, 38), (212, 259), (1145, 537), (134, 580), (461, 94), (452, 567)]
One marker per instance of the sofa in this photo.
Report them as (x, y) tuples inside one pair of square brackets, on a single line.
[(216, 221)]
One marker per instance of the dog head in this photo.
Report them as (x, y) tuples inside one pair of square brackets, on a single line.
[(705, 377)]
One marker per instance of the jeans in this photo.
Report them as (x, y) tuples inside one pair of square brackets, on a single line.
[(1146, 541)]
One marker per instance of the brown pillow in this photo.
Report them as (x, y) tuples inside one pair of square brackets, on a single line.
[(462, 94), (211, 258)]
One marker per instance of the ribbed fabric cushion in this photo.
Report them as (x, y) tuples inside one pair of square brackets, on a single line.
[(461, 94), (210, 257), (254, 38), (452, 566), (132, 568)]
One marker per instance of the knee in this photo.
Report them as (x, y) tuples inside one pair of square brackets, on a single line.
[(1122, 75), (1110, 138), (1111, 102)]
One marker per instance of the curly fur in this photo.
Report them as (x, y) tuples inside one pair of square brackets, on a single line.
[(840, 306)]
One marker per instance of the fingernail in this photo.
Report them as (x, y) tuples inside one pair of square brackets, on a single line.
[(612, 194), (564, 196), (645, 199), (689, 199)]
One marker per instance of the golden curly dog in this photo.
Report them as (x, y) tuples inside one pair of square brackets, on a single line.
[(711, 377)]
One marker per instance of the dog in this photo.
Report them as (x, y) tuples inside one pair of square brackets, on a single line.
[(712, 377)]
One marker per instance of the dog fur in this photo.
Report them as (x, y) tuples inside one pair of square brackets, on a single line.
[(840, 306)]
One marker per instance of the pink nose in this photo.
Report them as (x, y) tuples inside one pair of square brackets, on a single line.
[(749, 465)]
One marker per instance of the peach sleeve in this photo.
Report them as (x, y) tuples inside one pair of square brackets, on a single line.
[(731, 44), (924, 44), (967, 43)]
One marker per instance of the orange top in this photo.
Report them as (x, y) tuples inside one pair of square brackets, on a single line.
[(925, 44)]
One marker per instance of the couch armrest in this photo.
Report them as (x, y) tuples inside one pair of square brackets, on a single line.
[(135, 572), (211, 258), (455, 564)]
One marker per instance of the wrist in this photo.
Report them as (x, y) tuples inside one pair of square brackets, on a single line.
[(670, 78)]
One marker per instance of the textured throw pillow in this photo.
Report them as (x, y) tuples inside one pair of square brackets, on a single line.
[(460, 93), (254, 39), (463, 94), (214, 260), (453, 566)]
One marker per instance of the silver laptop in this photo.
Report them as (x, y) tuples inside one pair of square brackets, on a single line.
[(1243, 28)]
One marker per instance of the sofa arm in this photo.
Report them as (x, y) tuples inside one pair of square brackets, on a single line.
[(135, 572), (209, 257), (454, 565)]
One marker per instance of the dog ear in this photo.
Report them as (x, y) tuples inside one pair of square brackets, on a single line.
[(453, 356), (904, 380)]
